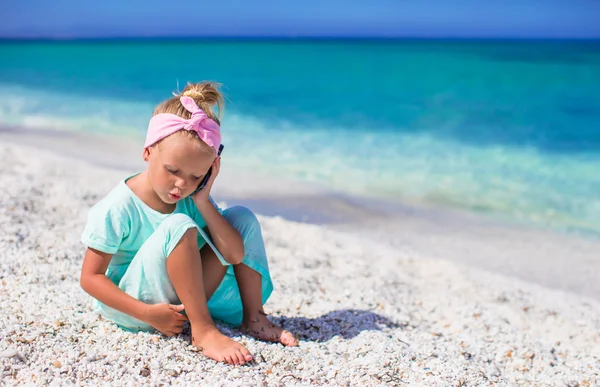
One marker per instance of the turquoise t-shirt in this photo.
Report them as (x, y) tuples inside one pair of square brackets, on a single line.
[(120, 223)]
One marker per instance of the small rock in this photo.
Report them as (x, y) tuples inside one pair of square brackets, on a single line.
[(9, 353), (529, 355)]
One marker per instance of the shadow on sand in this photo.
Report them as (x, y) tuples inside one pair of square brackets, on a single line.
[(347, 323)]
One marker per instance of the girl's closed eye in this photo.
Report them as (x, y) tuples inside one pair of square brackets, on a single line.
[(172, 171), (175, 171)]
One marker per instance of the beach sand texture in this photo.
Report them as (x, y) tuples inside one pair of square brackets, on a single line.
[(366, 313)]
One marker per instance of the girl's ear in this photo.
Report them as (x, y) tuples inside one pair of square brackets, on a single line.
[(146, 154)]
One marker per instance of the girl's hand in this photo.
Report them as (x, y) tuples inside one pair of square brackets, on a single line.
[(166, 318), (203, 194)]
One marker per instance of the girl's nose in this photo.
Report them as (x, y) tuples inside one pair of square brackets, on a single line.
[(181, 184)]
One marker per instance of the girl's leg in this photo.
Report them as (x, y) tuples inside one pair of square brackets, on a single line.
[(255, 321), (169, 268), (185, 270), (212, 271), (252, 279)]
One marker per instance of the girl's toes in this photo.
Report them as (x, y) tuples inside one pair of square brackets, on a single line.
[(288, 339)]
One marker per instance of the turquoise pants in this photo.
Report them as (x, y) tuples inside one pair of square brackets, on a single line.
[(147, 280)]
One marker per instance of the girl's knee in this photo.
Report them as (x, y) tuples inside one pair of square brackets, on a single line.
[(240, 216), (248, 225), (191, 235), (176, 222), (176, 229)]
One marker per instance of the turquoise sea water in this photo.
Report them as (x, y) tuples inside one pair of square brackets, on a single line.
[(508, 128)]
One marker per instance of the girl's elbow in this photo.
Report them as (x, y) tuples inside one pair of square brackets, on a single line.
[(85, 282), (236, 257)]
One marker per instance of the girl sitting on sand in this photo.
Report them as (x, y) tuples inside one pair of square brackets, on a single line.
[(149, 255)]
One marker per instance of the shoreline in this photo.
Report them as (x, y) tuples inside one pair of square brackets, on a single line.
[(293, 199), (255, 187), (532, 254)]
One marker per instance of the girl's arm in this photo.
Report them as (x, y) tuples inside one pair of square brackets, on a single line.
[(164, 317), (225, 237), (94, 282)]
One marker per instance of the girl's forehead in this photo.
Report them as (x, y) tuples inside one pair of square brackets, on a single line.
[(183, 151), (175, 145)]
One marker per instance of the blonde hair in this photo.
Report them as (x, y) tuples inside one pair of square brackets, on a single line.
[(206, 95)]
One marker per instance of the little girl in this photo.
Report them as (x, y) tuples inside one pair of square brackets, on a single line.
[(155, 247)]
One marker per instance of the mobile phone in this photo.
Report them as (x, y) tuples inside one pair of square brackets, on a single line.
[(207, 176)]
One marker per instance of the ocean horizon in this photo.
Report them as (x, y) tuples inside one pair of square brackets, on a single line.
[(292, 38), (508, 128)]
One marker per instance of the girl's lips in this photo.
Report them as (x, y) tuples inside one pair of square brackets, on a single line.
[(174, 197)]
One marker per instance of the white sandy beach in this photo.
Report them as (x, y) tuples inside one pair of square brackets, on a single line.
[(368, 313)]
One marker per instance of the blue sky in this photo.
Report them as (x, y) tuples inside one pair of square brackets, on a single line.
[(414, 18)]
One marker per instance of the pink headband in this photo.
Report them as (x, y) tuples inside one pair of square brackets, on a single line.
[(165, 124)]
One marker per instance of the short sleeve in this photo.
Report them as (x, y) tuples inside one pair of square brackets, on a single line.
[(105, 229)]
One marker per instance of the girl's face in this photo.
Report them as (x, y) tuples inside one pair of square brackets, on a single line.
[(176, 166)]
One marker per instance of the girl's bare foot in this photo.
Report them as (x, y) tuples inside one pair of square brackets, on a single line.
[(215, 345), (259, 326)]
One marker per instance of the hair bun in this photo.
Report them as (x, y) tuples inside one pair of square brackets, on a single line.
[(206, 95), (193, 93)]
